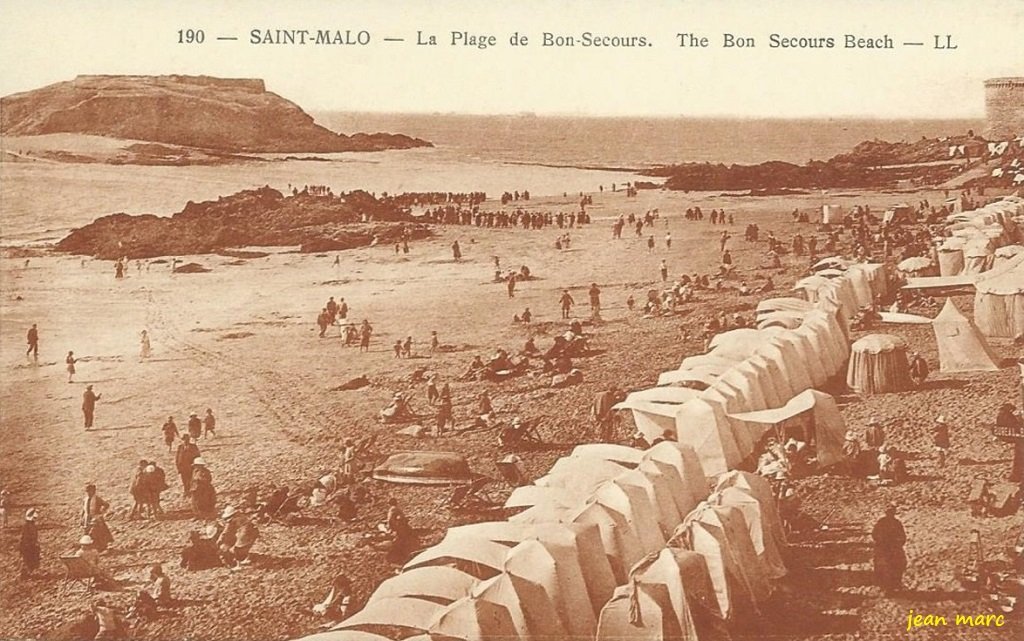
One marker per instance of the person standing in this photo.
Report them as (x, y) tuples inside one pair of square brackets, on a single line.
[(365, 331), (195, 426), (512, 285), (650, 244), (940, 438), (89, 399), (664, 271), (70, 361), (184, 459), (723, 240), (28, 546), (170, 430), (567, 302), (209, 424), (595, 301), (890, 560), (874, 436), (456, 251), (727, 257), (33, 342), (94, 509), (918, 368), (668, 240), (349, 465), (145, 349)]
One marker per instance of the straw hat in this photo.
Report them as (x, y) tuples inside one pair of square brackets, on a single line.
[(31, 514), (199, 461), (150, 468), (229, 511), (874, 421), (941, 419), (85, 540), (850, 436)]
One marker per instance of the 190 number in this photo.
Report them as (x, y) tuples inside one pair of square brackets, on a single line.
[(191, 36)]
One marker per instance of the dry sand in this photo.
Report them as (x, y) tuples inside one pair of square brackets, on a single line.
[(242, 340)]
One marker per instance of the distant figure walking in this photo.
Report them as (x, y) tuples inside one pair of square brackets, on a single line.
[(664, 271), (145, 349), (512, 285), (668, 240), (365, 331), (184, 460), (723, 240), (89, 399), (70, 360), (650, 244), (567, 302), (170, 430), (595, 301), (209, 424), (456, 251), (33, 342)]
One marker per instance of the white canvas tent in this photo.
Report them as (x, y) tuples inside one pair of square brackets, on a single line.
[(687, 464), (558, 572), (431, 582), (999, 300), (476, 620), (533, 614), (762, 535), (878, 363), (962, 348), (705, 427), (812, 413)]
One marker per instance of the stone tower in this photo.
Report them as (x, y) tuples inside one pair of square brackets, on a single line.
[(1004, 108)]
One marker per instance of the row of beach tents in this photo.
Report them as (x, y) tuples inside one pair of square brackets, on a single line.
[(614, 543), (620, 543)]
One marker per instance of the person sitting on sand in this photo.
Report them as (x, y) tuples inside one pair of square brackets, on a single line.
[(526, 316), (336, 604), (474, 368), (237, 538), (397, 410), (90, 555), (530, 348), (156, 594), (396, 525)]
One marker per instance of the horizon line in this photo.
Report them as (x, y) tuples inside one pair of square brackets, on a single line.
[(570, 114)]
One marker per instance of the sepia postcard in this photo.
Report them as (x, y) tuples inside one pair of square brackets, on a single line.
[(342, 320)]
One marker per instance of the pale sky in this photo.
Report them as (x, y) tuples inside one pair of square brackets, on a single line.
[(47, 41)]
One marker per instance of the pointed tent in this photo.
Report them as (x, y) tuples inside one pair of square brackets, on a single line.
[(659, 493), (705, 427), (729, 401), (756, 486), (640, 612), (633, 503), (579, 476), (653, 420), (618, 539), (739, 343), (558, 572), (475, 620), (762, 536), (962, 348), (720, 534), (685, 574), (531, 610), (687, 464)]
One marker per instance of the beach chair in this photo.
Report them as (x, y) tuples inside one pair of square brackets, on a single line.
[(474, 497), (78, 572), (510, 471)]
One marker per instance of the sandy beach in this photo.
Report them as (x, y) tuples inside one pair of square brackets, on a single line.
[(242, 340)]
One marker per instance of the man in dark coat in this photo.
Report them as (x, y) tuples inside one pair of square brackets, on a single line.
[(89, 399), (29, 544), (890, 560), (195, 426), (184, 458), (33, 342)]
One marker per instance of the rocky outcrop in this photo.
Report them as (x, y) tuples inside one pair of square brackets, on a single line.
[(258, 217), (226, 115), (871, 164)]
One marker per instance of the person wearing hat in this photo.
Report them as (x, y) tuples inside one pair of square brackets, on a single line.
[(403, 538), (170, 430), (445, 416), (195, 426), (566, 301), (940, 438), (237, 538), (204, 496), (890, 560), (28, 546), (156, 593), (90, 555), (184, 458), (89, 399)]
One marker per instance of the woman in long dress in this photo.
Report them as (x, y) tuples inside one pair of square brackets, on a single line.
[(71, 360), (146, 350)]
